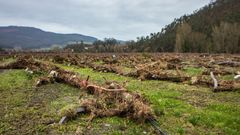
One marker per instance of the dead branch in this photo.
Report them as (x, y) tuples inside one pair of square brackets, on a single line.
[(237, 77), (215, 82)]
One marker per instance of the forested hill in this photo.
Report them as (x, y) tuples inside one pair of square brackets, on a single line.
[(30, 37), (214, 28)]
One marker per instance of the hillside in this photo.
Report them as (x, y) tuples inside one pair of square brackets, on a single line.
[(214, 28), (29, 37)]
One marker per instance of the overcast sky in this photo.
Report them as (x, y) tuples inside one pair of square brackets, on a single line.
[(121, 19)]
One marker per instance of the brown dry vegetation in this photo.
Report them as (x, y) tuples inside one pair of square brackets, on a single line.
[(177, 87)]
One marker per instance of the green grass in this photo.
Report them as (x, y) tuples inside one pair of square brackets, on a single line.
[(14, 86), (180, 108), (227, 77), (167, 101), (99, 62), (14, 79), (192, 71), (6, 61)]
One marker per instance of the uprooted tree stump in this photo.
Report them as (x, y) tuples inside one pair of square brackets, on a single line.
[(217, 85)]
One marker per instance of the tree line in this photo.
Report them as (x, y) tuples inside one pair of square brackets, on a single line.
[(214, 28), (105, 45)]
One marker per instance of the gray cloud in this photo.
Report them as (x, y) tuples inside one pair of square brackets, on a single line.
[(122, 19)]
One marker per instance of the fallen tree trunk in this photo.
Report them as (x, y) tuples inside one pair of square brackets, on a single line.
[(159, 75), (229, 63), (217, 71)]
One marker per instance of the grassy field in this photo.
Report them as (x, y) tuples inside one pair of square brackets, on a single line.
[(180, 108)]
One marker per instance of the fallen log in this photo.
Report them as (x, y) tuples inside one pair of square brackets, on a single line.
[(229, 63), (217, 71), (159, 75)]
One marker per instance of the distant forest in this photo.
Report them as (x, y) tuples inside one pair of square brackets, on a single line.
[(215, 28)]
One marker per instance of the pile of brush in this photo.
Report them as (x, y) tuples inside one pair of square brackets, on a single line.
[(217, 84)]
